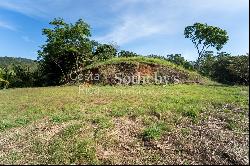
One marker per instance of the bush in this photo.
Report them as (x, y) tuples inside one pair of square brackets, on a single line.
[(17, 76), (155, 131), (179, 60), (176, 59), (124, 53), (226, 69), (3, 83), (232, 70), (105, 52)]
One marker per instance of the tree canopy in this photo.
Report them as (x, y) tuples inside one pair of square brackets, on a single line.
[(67, 46), (104, 52), (204, 36)]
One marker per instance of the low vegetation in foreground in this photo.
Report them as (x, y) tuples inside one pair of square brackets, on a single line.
[(175, 124)]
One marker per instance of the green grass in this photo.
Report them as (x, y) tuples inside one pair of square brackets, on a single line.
[(134, 60), (149, 61), (155, 131), (57, 125)]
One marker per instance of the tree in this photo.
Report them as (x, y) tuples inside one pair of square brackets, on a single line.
[(104, 52), (157, 56), (206, 63), (3, 83), (225, 68), (204, 36), (67, 46), (174, 58), (23, 77), (124, 53), (239, 66), (179, 60)]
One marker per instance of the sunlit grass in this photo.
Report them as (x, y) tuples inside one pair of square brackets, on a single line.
[(78, 122)]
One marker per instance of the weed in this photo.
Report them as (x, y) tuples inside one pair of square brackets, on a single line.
[(231, 124), (155, 131), (185, 131)]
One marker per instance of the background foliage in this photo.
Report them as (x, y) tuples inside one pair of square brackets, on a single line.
[(68, 47)]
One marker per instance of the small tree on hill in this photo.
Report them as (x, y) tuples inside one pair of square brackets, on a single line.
[(104, 52), (124, 53)]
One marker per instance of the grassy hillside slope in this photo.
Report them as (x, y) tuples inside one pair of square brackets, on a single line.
[(177, 124), (146, 67)]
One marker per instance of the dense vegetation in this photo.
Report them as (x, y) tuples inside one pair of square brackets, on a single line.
[(69, 48), (17, 72), (225, 68), (5, 62)]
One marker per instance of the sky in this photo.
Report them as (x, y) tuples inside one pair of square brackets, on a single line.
[(142, 26)]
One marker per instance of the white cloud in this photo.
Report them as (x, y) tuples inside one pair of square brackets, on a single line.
[(28, 39), (35, 8), (131, 28), (223, 5), (6, 25), (22, 7), (135, 22), (131, 19), (144, 18)]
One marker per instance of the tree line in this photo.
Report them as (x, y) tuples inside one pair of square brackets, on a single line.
[(68, 46)]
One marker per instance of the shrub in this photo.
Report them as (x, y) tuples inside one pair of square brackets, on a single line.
[(225, 68), (124, 53), (105, 52), (155, 131), (3, 83)]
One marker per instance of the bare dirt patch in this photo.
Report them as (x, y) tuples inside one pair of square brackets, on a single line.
[(208, 141), (124, 142)]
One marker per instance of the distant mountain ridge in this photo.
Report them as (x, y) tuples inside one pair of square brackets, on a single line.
[(9, 61)]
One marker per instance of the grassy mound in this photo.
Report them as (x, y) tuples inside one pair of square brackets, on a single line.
[(141, 70)]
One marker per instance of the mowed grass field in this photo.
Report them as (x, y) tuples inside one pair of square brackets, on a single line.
[(175, 124)]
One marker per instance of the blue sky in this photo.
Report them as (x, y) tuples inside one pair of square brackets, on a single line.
[(142, 26)]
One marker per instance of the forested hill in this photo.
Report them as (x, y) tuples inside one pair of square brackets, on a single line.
[(8, 61)]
